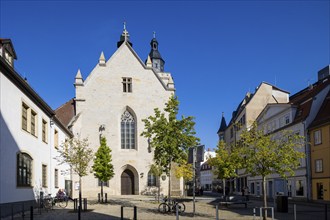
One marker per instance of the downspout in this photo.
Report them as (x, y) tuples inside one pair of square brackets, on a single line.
[(308, 162)]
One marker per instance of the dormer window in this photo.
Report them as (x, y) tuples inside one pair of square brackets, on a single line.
[(8, 58)]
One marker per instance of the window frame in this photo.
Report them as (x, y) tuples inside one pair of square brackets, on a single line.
[(128, 131), (56, 178), (44, 131), (56, 134), (317, 138), (127, 84), (24, 162), (44, 175), (152, 179), (319, 166)]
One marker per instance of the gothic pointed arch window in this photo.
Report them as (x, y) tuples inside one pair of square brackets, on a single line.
[(127, 131)]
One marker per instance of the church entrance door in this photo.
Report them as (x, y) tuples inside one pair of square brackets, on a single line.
[(127, 182)]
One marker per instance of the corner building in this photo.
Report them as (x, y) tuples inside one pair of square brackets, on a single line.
[(112, 101)]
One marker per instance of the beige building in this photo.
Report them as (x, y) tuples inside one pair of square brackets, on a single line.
[(112, 101)]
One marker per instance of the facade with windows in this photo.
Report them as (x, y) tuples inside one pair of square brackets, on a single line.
[(319, 132), (29, 136), (112, 101)]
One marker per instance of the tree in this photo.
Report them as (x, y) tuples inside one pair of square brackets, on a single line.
[(185, 171), (102, 167), (169, 136), (157, 171), (225, 163), (77, 154), (265, 154)]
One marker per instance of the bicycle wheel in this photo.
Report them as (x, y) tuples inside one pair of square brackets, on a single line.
[(163, 208), (48, 203), (62, 203), (181, 207)]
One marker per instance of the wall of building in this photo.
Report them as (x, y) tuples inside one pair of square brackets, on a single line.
[(105, 103)]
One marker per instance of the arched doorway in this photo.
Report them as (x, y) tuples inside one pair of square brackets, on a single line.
[(127, 182)]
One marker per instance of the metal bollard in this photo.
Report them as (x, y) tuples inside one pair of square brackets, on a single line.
[(106, 197), (23, 214), (217, 212), (135, 213), (254, 213), (294, 212), (326, 212), (31, 213), (75, 204), (85, 204), (177, 211), (122, 212), (79, 212), (98, 197)]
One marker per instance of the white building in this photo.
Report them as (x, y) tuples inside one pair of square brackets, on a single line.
[(29, 136), (112, 100), (206, 173)]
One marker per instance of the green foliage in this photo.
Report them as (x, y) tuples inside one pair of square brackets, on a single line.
[(102, 167), (169, 136), (266, 154), (185, 171), (226, 161), (77, 154)]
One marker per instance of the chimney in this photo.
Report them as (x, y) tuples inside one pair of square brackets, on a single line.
[(323, 73)]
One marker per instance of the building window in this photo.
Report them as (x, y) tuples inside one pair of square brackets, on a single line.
[(34, 123), (44, 175), (44, 131), (151, 179), (25, 109), (56, 139), (317, 137), (56, 178), (24, 169), (318, 166), (127, 131), (127, 84), (231, 133), (104, 183), (299, 188)]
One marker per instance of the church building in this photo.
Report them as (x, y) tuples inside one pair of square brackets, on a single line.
[(111, 102)]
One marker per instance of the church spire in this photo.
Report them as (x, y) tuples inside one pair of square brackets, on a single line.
[(124, 37), (223, 126), (156, 58)]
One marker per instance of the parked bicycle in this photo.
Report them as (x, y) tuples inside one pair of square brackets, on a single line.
[(49, 202), (171, 206)]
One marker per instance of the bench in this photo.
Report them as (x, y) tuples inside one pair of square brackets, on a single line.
[(232, 200)]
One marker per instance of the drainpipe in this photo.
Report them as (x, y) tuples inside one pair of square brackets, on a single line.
[(308, 162)]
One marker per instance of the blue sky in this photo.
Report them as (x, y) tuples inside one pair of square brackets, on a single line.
[(216, 50)]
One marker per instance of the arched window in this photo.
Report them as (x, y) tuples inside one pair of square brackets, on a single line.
[(151, 179), (127, 131), (24, 169)]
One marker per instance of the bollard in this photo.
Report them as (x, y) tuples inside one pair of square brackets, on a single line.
[(217, 212), (326, 212), (294, 212), (79, 210), (98, 197), (23, 214), (135, 213), (177, 211), (85, 204), (254, 213), (31, 213), (122, 212), (12, 212), (106, 198)]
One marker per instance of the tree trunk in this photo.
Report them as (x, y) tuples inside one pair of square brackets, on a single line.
[(102, 191), (264, 193), (80, 202), (224, 188), (169, 182)]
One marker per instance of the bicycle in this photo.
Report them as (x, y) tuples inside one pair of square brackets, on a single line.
[(171, 205), (49, 202)]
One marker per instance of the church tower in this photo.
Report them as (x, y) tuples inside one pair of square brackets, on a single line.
[(156, 58)]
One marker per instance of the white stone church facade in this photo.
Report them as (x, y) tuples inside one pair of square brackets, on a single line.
[(112, 101)]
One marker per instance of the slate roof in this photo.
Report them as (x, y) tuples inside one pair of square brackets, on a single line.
[(304, 99), (323, 116), (66, 112)]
